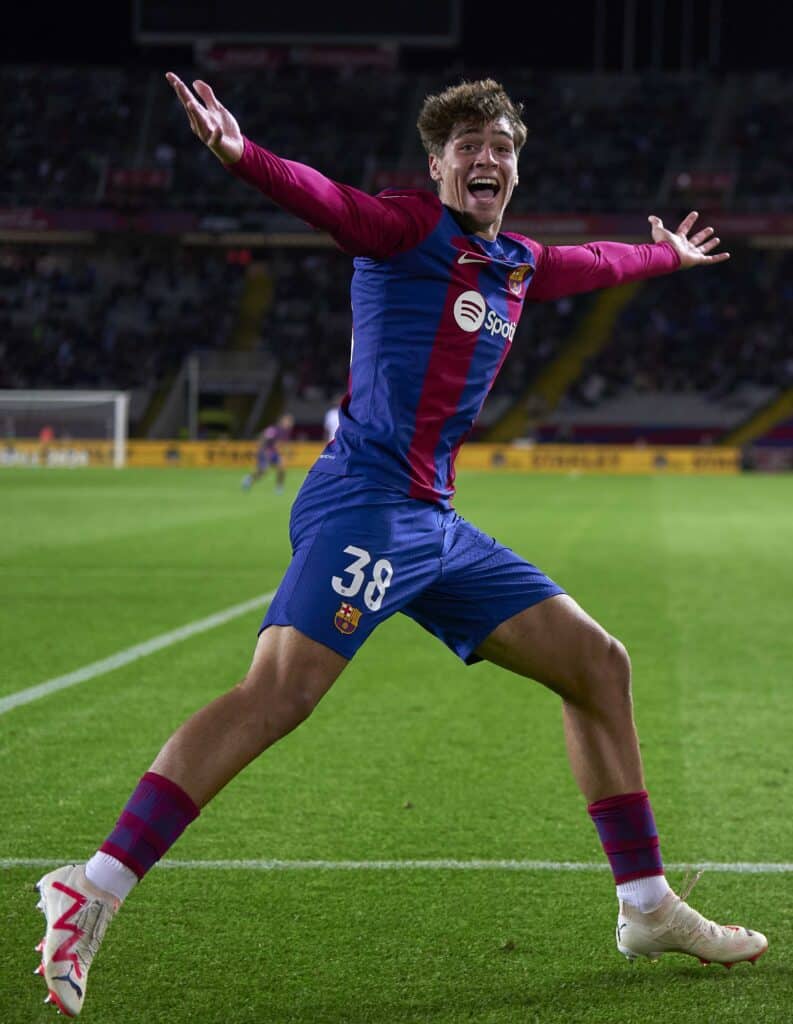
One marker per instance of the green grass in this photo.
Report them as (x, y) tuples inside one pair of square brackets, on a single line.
[(411, 755)]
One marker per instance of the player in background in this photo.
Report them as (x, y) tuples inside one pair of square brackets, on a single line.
[(331, 422), (436, 295), (269, 453)]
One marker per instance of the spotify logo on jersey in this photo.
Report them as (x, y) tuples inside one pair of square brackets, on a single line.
[(469, 311)]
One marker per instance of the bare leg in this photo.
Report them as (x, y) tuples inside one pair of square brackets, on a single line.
[(289, 675), (250, 478), (559, 645)]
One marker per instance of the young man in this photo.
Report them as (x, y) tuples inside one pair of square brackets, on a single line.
[(269, 453), (436, 294)]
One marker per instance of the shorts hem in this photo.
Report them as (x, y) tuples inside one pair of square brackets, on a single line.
[(347, 655)]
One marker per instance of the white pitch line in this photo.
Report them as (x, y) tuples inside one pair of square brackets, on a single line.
[(129, 654), (737, 867)]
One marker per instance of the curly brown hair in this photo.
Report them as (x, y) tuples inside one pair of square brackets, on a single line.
[(476, 102)]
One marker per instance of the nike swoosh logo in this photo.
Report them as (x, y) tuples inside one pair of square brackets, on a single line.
[(472, 257)]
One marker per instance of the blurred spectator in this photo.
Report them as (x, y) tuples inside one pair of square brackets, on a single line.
[(110, 317), (762, 137), (714, 333)]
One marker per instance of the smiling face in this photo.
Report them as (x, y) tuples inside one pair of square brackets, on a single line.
[(476, 173)]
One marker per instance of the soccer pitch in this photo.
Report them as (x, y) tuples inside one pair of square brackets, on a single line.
[(296, 897)]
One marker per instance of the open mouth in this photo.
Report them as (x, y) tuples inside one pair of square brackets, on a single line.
[(484, 187)]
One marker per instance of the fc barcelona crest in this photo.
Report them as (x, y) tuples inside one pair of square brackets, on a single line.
[(347, 618), (515, 279)]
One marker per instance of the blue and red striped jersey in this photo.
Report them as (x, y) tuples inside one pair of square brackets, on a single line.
[(431, 327)]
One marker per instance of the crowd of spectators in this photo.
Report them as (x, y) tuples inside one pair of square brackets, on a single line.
[(762, 140), (63, 129), (712, 332), (110, 317), (308, 326), (596, 143), (70, 129)]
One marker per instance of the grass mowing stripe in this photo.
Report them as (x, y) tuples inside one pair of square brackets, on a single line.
[(736, 867), (157, 643)]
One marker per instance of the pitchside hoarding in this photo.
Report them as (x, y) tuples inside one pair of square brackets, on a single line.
[(541, 458)]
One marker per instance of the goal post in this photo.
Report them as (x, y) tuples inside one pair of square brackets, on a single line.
[(72, 415)]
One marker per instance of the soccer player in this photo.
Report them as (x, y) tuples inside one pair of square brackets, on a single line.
[(436, 293), (269, 453)]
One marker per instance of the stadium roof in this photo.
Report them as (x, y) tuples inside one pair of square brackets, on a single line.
[(742, 36)]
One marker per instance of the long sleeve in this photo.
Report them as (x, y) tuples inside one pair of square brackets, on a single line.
[(569, 269), (362, 225)]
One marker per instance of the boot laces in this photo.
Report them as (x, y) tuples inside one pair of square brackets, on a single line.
[(690, 880), (94, 924), (694, 920)]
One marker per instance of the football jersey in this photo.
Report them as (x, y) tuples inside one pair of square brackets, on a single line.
[(431, 327)]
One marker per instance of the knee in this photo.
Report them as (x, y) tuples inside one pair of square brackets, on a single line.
[(611, 672), (292, 704), (288, 677), (276, 706)]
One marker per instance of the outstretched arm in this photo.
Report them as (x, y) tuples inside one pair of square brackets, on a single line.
[(361, 224), (570, 269)]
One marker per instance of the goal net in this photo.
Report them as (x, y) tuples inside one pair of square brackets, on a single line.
[(60, 428)]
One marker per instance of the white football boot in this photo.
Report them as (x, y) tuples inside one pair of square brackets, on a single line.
[(77, 916), (675, 927)]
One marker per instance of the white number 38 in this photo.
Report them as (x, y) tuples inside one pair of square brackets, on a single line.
[(382, 574)]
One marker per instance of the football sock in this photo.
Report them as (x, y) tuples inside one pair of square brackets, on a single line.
[(627, 831), (645, 894), (105, 872), (155, 816)]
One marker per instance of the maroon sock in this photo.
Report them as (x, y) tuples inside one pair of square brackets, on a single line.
[(155, 816), (627, 831)]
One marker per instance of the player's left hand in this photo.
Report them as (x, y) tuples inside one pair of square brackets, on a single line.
[(694, 251)]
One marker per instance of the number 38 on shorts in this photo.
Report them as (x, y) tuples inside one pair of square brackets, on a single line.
[(356, 576)]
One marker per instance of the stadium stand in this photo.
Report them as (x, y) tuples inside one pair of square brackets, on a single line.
[(711, 347), (114, 315), (166, 240), (761, 142), (63, 131), (596, 142)]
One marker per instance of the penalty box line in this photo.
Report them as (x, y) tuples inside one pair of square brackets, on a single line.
[(130, 654), (736, 867)]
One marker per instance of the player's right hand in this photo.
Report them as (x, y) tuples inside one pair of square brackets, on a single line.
[(210, 121)]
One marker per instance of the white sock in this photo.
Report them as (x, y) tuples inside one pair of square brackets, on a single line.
[(105, 872), (646, 894)]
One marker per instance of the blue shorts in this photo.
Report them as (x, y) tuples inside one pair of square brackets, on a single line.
[(268, 457), (362, 552)]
